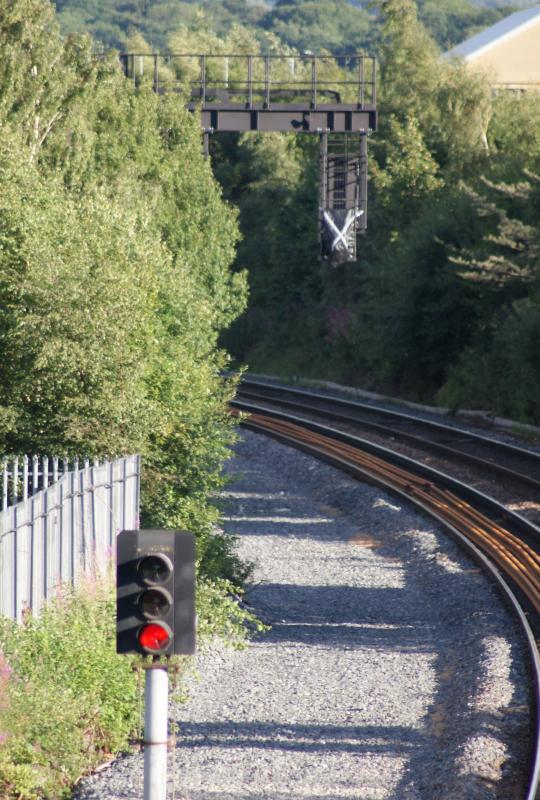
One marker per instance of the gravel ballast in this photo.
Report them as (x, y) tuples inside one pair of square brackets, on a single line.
[(392, 668)]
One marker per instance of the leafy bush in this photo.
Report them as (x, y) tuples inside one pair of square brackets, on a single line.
[(502, 372), (68, 698), (115, 280)]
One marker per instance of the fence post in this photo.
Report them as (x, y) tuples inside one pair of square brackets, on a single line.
[(4, 484), (84, 549), (25, 478), (112, 532), (35, 474), (74, 548), (15, 481)]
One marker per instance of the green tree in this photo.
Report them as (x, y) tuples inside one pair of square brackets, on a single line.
[(416, 313), (410, 67), (500, 369), (114, 348), (454, 21), (317, 25)]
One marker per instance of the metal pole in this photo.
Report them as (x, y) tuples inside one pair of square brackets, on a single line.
[(15, 481), (267, 82), (156, 74), (362, 222), (203, 78), (25, 477), (155, 734), (250, 81), (323, 170), (5, 484), (323, 184), (35, 474)]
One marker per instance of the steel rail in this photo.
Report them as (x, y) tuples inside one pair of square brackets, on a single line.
[(302, 400), (464, 491), (496, 547)]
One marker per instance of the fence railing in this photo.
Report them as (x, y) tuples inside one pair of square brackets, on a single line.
[(252, 80), (59, 522)]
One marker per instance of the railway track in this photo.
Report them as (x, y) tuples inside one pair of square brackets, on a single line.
[(500, 459), (504, 542)]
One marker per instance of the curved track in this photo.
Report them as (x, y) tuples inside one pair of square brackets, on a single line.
[(500, 539), (492, 456)]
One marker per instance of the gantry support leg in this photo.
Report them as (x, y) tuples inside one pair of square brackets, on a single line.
[(363, 166), (323, 184)]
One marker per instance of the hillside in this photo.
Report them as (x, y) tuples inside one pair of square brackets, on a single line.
[(336, 25)]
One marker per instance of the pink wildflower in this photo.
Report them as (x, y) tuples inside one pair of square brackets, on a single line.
[(5, 672)]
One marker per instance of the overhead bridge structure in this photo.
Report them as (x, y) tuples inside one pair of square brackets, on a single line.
[(332, 97)]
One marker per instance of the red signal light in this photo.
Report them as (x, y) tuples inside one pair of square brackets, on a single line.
[(155, 638)]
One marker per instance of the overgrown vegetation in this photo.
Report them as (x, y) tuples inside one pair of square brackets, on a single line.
[(336, 25), (67, 699), (449, 168), (114, 273)]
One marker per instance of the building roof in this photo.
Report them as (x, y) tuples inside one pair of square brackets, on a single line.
[(504, 29)]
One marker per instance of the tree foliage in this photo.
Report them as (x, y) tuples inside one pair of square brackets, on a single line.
[(340, 26), (453, 21), (448, 267), (317, 25), (115, 248), (445, 148)]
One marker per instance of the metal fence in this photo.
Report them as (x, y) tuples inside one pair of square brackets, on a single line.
[(59, 522)]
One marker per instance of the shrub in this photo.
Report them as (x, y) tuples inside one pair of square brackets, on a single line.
[(502, 372), (69, 699)]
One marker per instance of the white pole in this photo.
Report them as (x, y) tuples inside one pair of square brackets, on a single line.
[(155, 734)]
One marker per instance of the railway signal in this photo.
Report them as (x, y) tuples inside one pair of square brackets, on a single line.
[(155, 592), (155, 604)]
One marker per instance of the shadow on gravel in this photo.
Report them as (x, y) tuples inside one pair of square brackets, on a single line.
[(267, 514), (475, 721), (388, 741), (441, 605), (360, 637), (342, 616), (285, 525)]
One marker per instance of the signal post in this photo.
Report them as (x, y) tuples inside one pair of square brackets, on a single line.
[(155, 593)]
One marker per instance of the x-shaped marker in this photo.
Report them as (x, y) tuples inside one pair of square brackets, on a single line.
[(341, 234)]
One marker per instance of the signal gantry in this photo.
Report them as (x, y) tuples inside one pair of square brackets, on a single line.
[(329, 96)]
